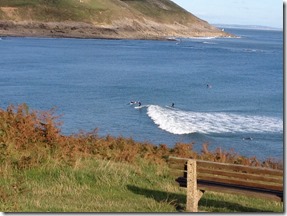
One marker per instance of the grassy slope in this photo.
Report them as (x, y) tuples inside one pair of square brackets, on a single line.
[(53, 10), (96, 11), (134, 19), (106, 186)]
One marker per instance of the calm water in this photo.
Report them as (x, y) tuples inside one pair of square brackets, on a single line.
[(91, 83)]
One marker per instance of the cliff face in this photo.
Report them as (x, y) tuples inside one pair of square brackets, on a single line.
[(134, 19)]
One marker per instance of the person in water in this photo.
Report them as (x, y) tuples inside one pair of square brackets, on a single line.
[(139, 103), (172, 105)]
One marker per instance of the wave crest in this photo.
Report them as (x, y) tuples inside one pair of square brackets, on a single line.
[(176, 121)]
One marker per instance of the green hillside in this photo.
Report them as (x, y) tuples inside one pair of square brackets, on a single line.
[(98, 11), (101, 18)]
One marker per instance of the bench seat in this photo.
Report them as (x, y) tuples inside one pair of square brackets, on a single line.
[(199, 176)]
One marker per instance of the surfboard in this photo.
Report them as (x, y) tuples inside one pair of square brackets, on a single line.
[(170, 107), (142, 106)]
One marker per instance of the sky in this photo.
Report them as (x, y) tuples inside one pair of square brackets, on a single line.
[(240, 12)]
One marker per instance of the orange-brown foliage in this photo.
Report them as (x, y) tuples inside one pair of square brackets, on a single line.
[(30, 138)]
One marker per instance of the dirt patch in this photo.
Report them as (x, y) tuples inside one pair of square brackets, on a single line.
[(11, 13)]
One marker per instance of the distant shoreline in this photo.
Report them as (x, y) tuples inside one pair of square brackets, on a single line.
[(247, 27)]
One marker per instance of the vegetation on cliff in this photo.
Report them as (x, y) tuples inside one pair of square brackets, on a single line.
[(137, 19), (32, 138), (94, 11)]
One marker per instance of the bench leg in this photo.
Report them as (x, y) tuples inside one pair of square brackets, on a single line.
[(193, 194)]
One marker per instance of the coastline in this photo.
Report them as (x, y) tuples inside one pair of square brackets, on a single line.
[(128, 30)]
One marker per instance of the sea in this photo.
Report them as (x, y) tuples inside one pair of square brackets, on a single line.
[(227, 92)]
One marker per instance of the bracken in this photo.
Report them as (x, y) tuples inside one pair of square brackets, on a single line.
[(33, 138)]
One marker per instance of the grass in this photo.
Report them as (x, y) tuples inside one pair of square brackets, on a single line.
[(95, 11), (91, 186), (106, 186), (43, 171), (161, 10), (55, 10)]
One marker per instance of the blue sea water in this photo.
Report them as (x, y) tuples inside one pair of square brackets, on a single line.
[(224, 89)]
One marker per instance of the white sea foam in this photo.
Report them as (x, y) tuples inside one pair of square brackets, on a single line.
[(177, 121), (252, 50), (206, 42), (202, 38)]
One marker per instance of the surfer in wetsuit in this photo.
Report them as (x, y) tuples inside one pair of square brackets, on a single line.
[(172, 105), (139, 103)]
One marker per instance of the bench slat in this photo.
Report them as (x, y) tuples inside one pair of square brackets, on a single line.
[(239, 168), (240, 182), (219, 180), (227, 188), (241, 176), (236, 167), (277, 196)]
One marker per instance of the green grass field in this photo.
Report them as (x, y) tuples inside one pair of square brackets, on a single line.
[(105, 186)]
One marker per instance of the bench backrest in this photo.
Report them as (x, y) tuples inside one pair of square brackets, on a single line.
[(232, 175)]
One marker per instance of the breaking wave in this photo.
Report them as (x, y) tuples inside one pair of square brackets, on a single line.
[(177, 121)]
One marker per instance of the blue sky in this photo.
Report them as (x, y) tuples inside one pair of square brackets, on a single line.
[(242, 12)]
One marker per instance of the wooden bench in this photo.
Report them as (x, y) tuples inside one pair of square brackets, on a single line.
[(199, 176)]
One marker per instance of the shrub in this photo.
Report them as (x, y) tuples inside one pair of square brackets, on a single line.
[(33, 138)]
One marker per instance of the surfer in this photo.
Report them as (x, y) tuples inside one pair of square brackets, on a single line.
[(172, 105), (208, 86), (139, 103), (133, 102)]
